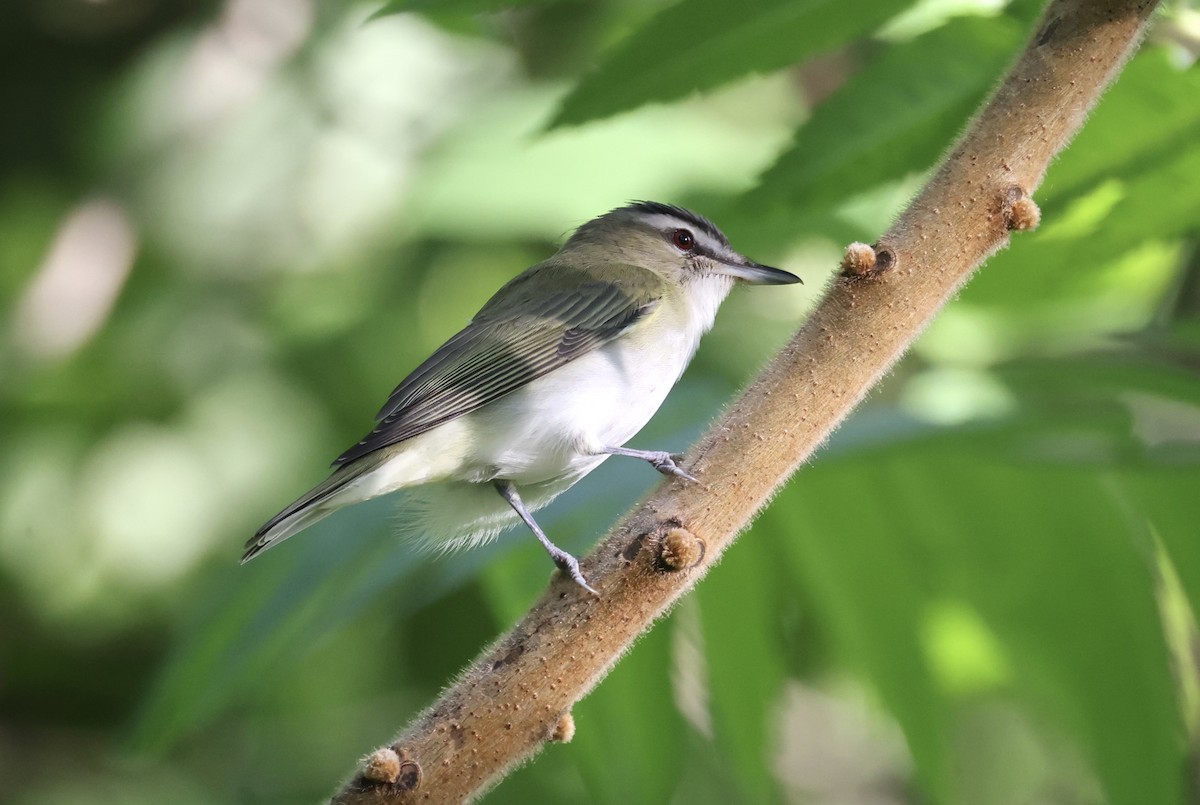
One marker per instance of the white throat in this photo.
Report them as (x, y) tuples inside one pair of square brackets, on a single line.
[(704, 297)]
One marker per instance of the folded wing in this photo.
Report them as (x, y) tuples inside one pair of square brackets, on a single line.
[(529, 328)]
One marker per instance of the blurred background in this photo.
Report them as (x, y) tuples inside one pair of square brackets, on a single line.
[(229, 227)]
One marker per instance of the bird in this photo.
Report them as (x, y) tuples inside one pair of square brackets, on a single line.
[(554, 374)]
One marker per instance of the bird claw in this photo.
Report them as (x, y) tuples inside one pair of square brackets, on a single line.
[(570, 565), (666, 464)]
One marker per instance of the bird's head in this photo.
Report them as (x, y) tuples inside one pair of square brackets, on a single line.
[(677, 244)]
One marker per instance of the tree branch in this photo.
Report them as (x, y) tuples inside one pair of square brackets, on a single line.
[(518, 694)]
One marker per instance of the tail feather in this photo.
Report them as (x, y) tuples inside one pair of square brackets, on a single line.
[(282, 529), (317, 504)]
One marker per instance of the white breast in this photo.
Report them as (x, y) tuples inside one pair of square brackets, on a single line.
[(560, 423)]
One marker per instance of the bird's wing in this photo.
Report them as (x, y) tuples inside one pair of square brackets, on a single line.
[(521, 334)]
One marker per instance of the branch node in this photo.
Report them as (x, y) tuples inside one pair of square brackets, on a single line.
[(410, 776), (680, 550), (858, 260), (1021, 213), (564, 729), (863, 262), (885, 260), (382, 766)]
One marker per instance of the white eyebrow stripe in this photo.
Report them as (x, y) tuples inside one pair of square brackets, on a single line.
[(710, 244), (666, 223)]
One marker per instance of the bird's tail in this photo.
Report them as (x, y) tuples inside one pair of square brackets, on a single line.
[(317, 504)]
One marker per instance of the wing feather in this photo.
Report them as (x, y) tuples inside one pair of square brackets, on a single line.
[(521, 334)]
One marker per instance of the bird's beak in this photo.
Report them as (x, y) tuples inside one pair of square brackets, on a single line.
[(755, 274)]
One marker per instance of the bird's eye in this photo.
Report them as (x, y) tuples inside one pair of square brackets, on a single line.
[(683, 240)]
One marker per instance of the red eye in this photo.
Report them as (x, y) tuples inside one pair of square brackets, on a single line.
[(683, 240)]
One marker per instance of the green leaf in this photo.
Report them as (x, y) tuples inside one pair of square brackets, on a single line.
[(871, 587), (1147, 413), (1156, 492), (1125, 183), (629, 732), (1051, 565), (1147, 115), (745, 662), (700, 44), (892, 118)]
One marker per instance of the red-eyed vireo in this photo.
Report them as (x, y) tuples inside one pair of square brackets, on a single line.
[(557, 371)]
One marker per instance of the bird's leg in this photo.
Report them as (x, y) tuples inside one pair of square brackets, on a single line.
[(662, 461), (566, 562)]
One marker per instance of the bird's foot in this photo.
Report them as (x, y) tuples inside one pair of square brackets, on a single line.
[(570, 565), (661, 460), (666, 463)]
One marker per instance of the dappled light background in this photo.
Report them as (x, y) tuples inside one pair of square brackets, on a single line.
[(229, 227)]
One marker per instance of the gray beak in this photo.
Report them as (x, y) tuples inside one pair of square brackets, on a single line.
[(755, 274)]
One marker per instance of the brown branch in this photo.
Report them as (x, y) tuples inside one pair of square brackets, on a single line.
[(518, 694)]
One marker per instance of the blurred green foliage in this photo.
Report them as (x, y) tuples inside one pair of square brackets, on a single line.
[(228, 227)]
